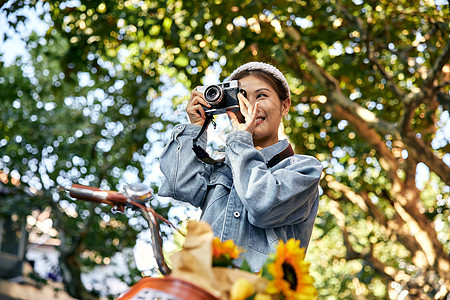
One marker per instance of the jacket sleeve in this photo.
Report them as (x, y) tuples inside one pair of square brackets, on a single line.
[(282, 195), (185, 175)]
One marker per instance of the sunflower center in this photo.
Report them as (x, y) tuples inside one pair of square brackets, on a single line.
[(289, 275)]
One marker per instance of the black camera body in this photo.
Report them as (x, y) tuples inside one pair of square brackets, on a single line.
[(222, 97)]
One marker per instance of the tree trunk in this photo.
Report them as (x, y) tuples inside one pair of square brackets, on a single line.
[(404, 196)]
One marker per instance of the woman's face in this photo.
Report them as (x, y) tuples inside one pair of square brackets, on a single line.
[(270, 110)]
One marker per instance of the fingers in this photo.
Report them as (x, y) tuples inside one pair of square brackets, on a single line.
[(244, 105), (235, 122), (255, 111), (197, 98), (233, 118), (251, 122), (194, 108), (247, 109)]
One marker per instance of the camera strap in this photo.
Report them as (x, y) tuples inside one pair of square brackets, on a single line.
[(199, 151), (280, 156), (204, 156)]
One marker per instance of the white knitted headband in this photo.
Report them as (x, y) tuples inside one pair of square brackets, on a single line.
[(254, 66)]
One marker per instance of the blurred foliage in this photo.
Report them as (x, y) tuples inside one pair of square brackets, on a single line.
[(370, 89)]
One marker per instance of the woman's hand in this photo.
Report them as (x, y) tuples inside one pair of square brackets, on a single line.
[(248, 111), (194, 108)]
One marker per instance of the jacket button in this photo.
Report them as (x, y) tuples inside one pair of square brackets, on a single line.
[(236, 214)]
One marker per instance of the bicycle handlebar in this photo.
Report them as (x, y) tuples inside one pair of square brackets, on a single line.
[(118, 201)]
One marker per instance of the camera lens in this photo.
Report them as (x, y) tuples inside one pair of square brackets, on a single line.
[(213, 94)]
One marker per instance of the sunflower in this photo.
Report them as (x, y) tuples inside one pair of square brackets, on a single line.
[(290, 273), (224, 252)]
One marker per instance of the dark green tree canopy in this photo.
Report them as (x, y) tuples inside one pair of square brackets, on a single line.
[(370, 91)]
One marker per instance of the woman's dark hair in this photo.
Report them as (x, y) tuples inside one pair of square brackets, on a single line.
[(276, 84)]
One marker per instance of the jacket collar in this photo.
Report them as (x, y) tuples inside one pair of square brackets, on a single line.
[(274, 149)]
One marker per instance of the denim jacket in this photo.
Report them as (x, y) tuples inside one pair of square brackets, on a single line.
[(242, 199)]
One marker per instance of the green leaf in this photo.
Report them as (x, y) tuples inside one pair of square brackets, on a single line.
[(181, 61)]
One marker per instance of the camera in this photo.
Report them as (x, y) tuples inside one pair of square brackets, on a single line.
[(221, 97)]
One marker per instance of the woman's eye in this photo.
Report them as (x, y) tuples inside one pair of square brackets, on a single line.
[(261, 96)]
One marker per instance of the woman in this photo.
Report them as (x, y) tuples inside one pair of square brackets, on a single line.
[(260, 194)]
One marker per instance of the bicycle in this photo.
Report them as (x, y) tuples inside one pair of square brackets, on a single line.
[(138, 196)]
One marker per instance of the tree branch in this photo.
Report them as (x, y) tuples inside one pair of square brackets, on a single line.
[(386, 158), (335, 93), (411, 99), (365, 36), (363, 120), (393, 228), (444, 99), (421, 152), (368, 125), (389, 78), (441, 85), (388, 273), (436, 69)]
